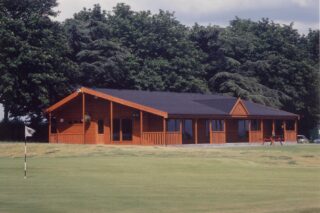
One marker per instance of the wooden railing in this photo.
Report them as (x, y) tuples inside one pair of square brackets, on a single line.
[(153, 138), (66, 138), (160, 138)]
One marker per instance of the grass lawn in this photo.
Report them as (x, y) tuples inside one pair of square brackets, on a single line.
[(98, 178)]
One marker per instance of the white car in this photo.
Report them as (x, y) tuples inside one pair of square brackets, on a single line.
[(316, 140), (302, 139)]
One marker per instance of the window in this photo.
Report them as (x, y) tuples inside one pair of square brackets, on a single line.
[(173, 125), (100, 126), (255, 125), (126, 129), (217, 125), (116, 130), (187, 131), (53, 125), (290, 125)]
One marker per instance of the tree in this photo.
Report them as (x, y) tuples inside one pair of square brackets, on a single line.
[(34, 67), (167, 59), (102, 61)]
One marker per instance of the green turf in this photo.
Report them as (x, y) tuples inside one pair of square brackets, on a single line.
[(89, 178)]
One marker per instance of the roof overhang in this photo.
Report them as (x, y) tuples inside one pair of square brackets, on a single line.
[(108, 97)]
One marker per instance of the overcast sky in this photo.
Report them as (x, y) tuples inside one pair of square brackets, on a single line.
[(304, 13)]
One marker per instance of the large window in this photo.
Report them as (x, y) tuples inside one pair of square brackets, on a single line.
[(173, 125), (187, 131), (255, 125), (100, 126), (126, 129), (126, 126), (290, 125), (217, 125), (116, 130)]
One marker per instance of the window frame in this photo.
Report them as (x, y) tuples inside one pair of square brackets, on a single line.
[(176, 125), (257, 126), (219, 127)]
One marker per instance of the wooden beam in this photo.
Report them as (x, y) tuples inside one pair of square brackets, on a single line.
[(141, 126), (225, 130), (62, 102), (49, 127), (83, 117), (262, 129), (249, 126), (111, 122), (210, 131), (273, 128), (273, 132), (284, 125), (164, 130), (180, 130), (196, 131)]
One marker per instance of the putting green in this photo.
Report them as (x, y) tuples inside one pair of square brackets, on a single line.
[(98, 178)]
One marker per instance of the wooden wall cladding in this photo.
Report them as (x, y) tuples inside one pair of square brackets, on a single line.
[(70, 126), (219, 137)]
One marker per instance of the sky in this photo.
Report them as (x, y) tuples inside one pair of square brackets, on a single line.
[(304, 13)]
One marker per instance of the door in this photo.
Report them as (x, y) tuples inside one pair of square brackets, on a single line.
[(100, 131)]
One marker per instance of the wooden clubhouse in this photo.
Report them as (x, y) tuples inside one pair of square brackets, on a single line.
[(109, 116)]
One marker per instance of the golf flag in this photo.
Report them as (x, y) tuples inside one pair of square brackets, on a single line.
[(28, 132)]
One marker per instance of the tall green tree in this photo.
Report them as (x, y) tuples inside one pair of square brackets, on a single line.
[(34, 67), (167, 59)]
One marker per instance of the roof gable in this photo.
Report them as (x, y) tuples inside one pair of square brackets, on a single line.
[(239, 109)]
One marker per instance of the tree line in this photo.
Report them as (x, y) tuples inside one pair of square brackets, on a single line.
[(42, 60)]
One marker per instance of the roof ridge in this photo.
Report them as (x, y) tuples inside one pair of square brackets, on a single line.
[(159, 91)]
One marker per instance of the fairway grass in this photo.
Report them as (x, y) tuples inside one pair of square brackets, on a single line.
[(135, 179)]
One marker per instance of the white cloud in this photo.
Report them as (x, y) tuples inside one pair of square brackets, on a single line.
[(303, 3), (211, 11), (302, 27), (68, 7)]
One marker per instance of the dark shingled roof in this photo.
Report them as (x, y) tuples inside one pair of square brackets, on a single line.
[(190, 103)]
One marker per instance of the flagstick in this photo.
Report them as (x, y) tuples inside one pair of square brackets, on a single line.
[(25, 157)]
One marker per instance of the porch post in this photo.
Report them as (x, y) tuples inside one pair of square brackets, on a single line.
[(249, 127), (284, 125), (164, 130), (49, 127), (273, 128), (83, 117), (180, 130), (210, 131), (196, 131), (141, 126), (225, 130), (262, 134), (296, 127), (111, 121)]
